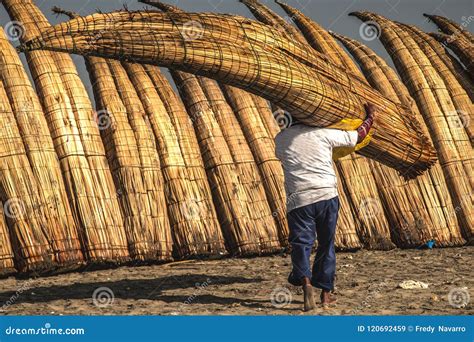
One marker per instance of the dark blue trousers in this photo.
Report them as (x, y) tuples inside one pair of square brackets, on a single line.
[(306, 223)]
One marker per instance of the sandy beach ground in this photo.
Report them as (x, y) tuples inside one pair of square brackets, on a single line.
[(367, 283)]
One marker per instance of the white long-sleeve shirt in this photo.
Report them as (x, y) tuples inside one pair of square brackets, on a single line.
[(306, 155)]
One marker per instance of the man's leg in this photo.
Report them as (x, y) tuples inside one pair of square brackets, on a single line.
[(324, 267), (302, 236)]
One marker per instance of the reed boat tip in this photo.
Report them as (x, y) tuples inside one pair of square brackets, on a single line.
[(353, 13), (58, 10)]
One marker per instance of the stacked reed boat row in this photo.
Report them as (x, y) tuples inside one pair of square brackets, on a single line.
[(85, 173), (431, 93), (435, 217), (150, 175), (223, 140), (409, 223), (43, 231)]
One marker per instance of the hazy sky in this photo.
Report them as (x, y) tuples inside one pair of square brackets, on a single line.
[(331, 14)]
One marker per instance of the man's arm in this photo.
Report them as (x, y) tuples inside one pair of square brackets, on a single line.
[(364, 129), (339, 138)]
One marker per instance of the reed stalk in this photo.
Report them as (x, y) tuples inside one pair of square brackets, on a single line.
[(267, 16), (450, 27), (463, 48), (134, 161), (357, 176), (7, 266)]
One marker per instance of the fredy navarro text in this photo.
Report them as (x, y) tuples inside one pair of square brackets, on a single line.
[(439, 328)]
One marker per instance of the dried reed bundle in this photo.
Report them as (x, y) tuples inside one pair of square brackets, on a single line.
[(77, 141), (61, 229), (247, 170), (433, 99), (359, 185), (300, 92), (450, 27), (462, 102), (133, 157), (247, 107), (269, 17), (195, 228), (233, 203), (267, 115), (428, 201), (7, 266), (263, 148), (320, 39), (463, 48), (346, 235), (157, 230), (464, 78), (24, 212)]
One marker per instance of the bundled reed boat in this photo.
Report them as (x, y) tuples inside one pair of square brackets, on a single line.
[(280, 70), (76, 137), (42, 226)]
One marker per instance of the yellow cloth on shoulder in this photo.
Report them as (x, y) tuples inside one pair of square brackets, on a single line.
[(349, 125)]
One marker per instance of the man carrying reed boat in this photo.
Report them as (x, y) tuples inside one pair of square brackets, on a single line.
[(313, 203)]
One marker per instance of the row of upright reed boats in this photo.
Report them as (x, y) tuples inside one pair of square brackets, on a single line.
[(149, 175)]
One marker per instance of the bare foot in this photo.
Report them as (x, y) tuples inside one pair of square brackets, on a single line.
[(308, 295), (327, 298)]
